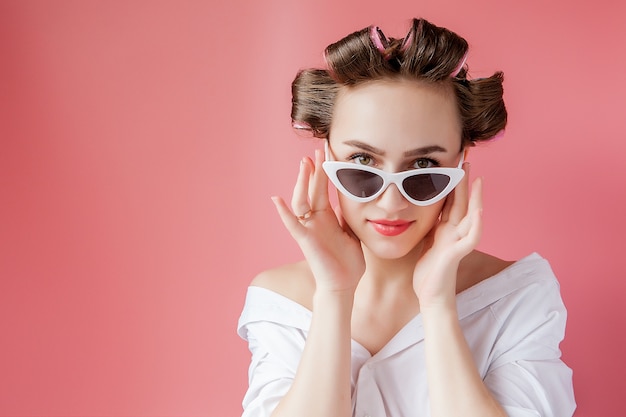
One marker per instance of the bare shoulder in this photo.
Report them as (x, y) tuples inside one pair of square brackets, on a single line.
[(293, 281), (477, 267)]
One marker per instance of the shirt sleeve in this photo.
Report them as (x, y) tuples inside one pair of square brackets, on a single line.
[(527, 375), (276, 338)]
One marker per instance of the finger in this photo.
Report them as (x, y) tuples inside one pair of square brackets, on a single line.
[(476, 230), (290, 221), (343, 223), (475, 210), (319, 186), (300, 198), (471, 230), (458, 209), (476, 199)]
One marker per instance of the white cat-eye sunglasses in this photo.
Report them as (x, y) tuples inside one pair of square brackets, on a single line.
[(421, 186)]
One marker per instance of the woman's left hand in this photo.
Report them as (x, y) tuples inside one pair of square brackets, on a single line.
[(455, 236)]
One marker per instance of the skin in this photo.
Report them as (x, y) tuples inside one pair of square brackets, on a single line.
[(363, 285)]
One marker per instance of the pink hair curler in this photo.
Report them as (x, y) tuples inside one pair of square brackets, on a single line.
[(460, 66), (300, 125), (408, 39), (498, 135), (380, 41)]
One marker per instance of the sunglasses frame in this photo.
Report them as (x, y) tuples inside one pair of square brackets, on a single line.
[(332, 167)]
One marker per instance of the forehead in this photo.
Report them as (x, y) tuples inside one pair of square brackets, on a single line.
[(398, 114)]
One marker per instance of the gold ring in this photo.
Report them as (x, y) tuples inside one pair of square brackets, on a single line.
[(305, 216)]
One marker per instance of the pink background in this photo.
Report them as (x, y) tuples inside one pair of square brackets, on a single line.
[(141, 141)]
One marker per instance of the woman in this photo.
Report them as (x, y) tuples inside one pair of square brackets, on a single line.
[(393, 312)]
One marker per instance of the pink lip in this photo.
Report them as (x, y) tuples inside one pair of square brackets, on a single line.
[(390, 227)]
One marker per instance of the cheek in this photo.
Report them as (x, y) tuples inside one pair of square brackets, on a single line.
[(429, 215), (436, 209), (350, 210)]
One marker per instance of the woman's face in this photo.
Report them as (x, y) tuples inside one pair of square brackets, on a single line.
[(394, 125)]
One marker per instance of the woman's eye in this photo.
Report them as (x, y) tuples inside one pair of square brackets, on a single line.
[(362, 159), (424, 163)]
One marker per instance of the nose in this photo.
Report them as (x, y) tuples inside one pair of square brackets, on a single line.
[(392, 200)]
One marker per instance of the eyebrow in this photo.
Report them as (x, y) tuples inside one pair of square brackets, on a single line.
[(425, 150)]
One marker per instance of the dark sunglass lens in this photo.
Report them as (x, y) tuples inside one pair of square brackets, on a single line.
[(360, 183), (423, 187)]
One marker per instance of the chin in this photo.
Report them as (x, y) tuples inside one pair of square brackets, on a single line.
[(390, 249)]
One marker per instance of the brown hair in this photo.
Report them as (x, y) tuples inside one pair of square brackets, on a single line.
[(428, 53)]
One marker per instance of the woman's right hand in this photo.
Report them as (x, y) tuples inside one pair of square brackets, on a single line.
[(331, 249)]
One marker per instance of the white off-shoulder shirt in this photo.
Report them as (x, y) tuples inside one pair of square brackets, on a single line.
[(513, 323)]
